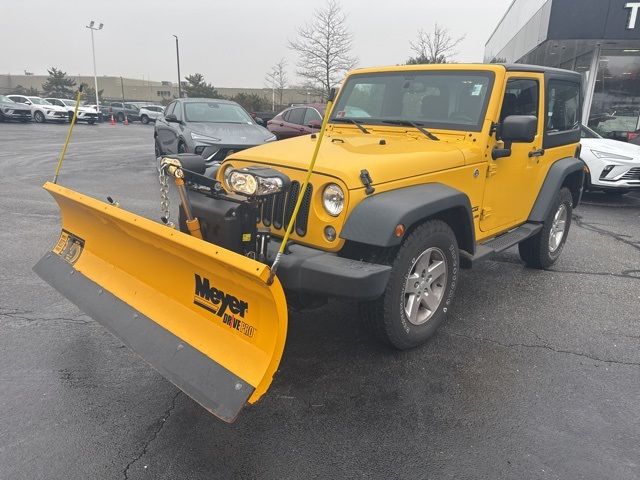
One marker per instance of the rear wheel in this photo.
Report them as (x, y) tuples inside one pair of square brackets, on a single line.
[(144, 119), (421, 287), (544, 248), (38, 117)]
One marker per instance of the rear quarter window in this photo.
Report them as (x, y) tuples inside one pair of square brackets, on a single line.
[(563, 113)]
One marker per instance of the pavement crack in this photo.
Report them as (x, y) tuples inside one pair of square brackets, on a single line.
[(34, 319), (159, 425), (543, 346), (626, 274), (602, 231)]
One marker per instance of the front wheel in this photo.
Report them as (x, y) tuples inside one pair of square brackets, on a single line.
[(544, 248), (159, 152), (144, 119), (38, 116), (421, 287)]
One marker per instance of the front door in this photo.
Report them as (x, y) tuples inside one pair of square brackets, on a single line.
[(512, 182)]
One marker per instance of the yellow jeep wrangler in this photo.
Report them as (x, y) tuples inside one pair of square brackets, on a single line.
[(420, 170)]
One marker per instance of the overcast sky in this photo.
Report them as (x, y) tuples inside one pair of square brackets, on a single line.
[(233, 43)]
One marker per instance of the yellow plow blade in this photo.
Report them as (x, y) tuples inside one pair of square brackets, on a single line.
[(201, 315)]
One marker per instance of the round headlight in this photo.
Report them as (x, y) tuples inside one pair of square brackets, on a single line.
[(333, 199), (243, 183)]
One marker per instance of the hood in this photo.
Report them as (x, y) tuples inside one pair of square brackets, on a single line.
[(232, 133), (344, 156), (53, 108), (612, 146), (85, 109)]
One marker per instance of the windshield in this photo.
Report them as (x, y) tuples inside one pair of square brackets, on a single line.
[(5, 99), (38, 101), (454, 100), (215, 113), (69, 103)]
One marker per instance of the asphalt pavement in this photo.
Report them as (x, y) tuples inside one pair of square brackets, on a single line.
[(535, 375)]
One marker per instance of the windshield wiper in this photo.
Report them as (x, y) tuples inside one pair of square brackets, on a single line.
[(351, 120), (409, 123)]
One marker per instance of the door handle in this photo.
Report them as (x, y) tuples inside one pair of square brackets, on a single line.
[(282, 124), (536, 153)]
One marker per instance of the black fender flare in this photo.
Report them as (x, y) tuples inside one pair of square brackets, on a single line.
[(560, 172), (373, 221)]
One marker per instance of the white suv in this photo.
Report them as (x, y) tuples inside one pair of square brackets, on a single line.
[(85, 114), (614, 166), (150, 113), (41, 110)]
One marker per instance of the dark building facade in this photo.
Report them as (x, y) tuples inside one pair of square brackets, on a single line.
[(598, 38)]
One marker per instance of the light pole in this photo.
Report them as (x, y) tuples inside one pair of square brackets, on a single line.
[(178, 60), (93, 51)]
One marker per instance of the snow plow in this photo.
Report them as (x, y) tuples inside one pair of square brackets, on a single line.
[(201, 315)]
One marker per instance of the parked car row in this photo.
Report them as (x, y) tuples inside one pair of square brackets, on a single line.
[(25, 108)]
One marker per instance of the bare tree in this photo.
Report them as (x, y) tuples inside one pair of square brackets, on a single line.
[(434, 47), (276, 80), (324, 49)]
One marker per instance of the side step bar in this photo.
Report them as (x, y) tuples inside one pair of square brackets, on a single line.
[(502, 242)]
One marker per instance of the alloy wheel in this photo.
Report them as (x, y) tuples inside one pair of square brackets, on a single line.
[(425, 286), (558, 227)]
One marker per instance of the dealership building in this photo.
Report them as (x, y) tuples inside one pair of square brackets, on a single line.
[(598, 38)]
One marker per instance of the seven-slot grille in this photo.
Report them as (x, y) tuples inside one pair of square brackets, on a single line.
[(632, 174), (278, 209)]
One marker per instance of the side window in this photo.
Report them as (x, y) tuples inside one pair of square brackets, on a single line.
[(311, 115), (521, 98), (296, 115), (563, 106), (177, 111), (285, 115), (169, 109)]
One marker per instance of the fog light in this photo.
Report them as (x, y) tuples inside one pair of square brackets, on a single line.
[(605, 171), (330, 233)]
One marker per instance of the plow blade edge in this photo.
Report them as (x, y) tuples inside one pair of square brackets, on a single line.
[(201, 315)]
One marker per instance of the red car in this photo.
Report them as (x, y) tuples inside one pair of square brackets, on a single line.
[(297, 120)]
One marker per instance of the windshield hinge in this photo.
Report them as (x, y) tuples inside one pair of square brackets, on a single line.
[(494, 128), (492, 170), (366, 180)]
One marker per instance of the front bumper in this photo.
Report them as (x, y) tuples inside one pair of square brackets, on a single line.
[(18, 115), (57, 116), (308, 270)]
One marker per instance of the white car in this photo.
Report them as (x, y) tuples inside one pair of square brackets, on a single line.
[(85, 114), (150, 113), (614, 166), (41, 110)]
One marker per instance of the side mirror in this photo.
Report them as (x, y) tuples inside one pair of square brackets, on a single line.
[(314, 124), (519, 129), (515, 129), (171, 118), (259, 121)]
